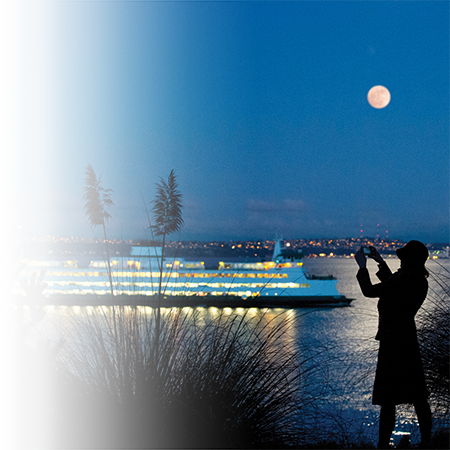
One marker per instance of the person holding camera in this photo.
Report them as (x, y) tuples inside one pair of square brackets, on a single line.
[(399, 376)]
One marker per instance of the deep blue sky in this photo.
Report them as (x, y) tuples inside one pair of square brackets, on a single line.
[(259, 107)]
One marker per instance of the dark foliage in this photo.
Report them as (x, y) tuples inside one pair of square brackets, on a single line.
[(433, 329), (26, 377), (13, 324)]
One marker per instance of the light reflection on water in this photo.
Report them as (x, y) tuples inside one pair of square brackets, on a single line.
[(341, 341)]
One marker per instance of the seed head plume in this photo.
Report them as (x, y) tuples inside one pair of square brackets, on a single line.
[(97, 199), (167, 207), (167, 219)]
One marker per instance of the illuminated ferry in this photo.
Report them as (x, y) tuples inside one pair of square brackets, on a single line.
[(280, 282)]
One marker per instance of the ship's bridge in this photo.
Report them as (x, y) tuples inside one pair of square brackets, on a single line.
[(284, 255)]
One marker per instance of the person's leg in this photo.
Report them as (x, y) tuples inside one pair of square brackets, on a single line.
[(423, 412), (387, 424)]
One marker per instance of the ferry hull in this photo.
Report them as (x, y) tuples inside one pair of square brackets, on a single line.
[(169, 301)]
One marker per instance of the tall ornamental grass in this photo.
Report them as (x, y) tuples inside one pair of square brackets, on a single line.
[(225, 381), (97, 200), (130, 377)]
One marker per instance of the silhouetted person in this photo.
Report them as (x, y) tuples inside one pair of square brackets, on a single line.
[(399, 376)]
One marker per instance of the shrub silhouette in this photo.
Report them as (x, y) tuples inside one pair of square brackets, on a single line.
[(433, 331)]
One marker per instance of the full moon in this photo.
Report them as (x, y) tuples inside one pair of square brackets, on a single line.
[(379, 97)]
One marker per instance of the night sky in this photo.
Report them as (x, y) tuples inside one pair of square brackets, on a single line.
[(259, 107)]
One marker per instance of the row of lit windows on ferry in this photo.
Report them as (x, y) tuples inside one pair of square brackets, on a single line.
[(58, 273), (137, 264), (66, 273), (199, 275), (183, 285), (151, 293)]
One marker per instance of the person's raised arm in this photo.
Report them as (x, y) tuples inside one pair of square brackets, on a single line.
[(368, 289), (383, 269)]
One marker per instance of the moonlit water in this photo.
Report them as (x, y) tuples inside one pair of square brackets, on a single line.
[(342, 342), (349, 357)]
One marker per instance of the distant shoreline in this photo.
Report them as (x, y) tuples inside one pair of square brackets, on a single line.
[(252, 250)]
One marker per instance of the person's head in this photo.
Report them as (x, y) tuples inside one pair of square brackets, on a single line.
[(413, 255)]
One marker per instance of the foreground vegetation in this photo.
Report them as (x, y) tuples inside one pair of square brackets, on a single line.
[(26, 376), (229, 381), (131, 377)]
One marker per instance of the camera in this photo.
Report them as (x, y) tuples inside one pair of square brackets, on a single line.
[(366, 251)]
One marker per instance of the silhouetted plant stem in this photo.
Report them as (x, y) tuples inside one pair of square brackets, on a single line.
[(167, 218), (162, 268), (108, 261), (97, 199)]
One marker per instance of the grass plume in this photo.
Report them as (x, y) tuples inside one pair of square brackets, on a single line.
[(97, 199)]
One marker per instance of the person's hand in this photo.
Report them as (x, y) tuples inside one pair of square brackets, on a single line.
[(375, 255), (360, 258)]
